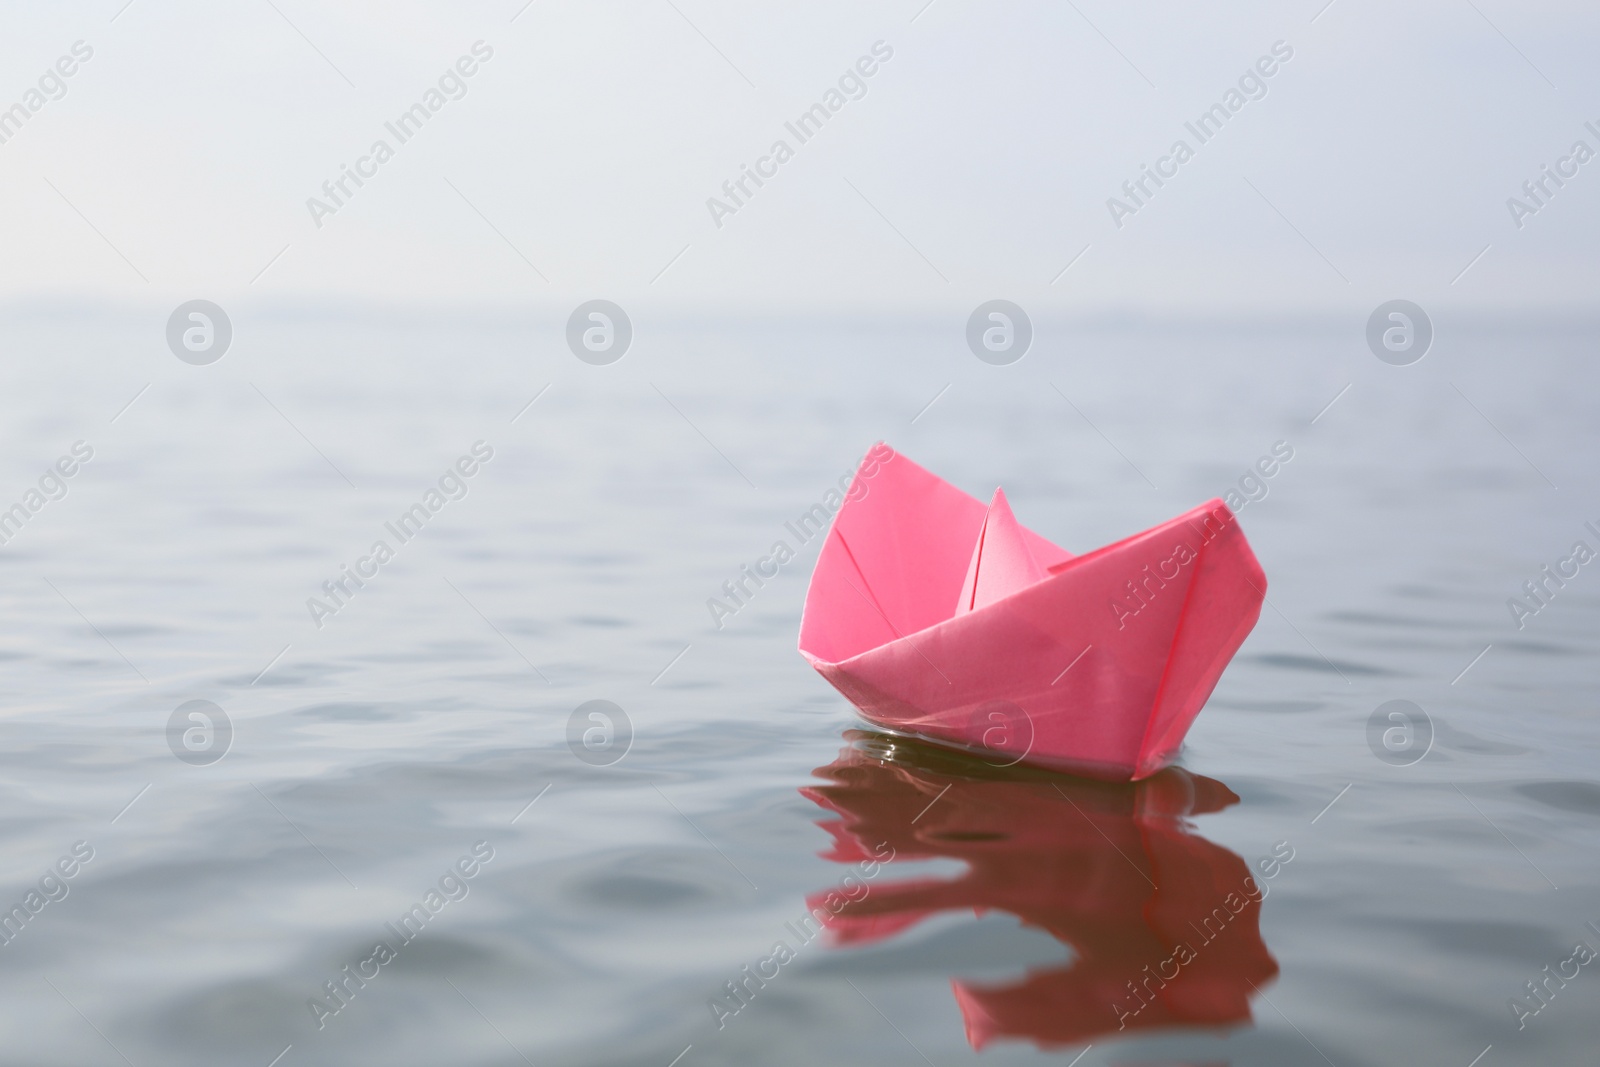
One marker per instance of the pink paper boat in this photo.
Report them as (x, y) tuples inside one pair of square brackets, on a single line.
[(944, 619)]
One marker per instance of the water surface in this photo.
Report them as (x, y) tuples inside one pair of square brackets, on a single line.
[(610, 905)]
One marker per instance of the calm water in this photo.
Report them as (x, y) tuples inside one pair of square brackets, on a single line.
[(609, 905)]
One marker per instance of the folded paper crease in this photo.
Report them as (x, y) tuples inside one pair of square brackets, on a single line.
[(1001, 563)]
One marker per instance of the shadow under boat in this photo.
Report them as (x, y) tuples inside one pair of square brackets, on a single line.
[(1164, 925)]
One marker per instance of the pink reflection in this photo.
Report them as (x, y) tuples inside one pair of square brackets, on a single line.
[(1164, 924)]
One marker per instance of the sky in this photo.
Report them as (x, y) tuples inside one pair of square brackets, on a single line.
[(976, 162)]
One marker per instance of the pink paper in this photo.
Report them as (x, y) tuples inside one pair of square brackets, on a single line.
[(1001, 562), (946, 619)]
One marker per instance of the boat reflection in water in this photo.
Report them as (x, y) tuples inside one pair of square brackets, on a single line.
[(1164, 924)]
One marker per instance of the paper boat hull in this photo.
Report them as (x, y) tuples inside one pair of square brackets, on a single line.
[(1099, 669)]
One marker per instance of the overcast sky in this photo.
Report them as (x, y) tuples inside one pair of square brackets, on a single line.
[(977, 163)]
